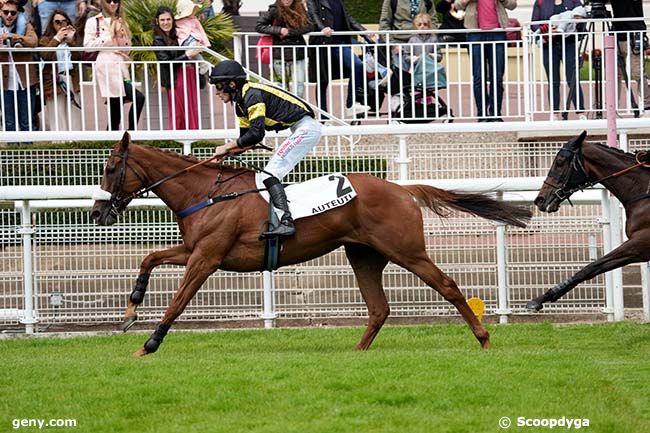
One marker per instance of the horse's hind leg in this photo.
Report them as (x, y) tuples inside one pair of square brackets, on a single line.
[(422, 266), (368, 266), (174, 256)]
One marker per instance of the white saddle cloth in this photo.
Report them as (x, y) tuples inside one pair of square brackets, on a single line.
[(315, 195)]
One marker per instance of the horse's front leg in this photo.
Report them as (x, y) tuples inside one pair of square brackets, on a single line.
[(174, 256), (631, 251), (198, 270)]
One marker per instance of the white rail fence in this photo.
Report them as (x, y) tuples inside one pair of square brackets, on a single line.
[(77, 272), (526, 87)]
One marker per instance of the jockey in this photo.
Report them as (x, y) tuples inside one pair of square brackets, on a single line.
[(261, 107)]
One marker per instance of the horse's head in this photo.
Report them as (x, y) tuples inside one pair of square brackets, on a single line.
[(566, 176), (120, 183)]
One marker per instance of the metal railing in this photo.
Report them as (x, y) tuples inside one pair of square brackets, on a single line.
[(82, 273), (526, 95)]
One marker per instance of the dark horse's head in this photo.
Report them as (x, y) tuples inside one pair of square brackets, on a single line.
[(119, 184), (566, 176)]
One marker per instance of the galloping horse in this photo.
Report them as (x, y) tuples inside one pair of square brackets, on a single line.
[(383, 223), (578, 166)]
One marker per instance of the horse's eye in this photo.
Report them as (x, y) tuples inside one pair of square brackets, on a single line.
[(110, 169)]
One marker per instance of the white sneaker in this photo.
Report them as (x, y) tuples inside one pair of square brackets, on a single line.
[(582, 117), (557, 117), (356, 109), (395, 102)]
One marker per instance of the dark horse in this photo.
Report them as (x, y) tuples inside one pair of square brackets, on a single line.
[(578, 166), (383, 223)]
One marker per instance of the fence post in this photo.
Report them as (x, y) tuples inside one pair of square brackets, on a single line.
[(403, 159), (503, 298), (645, 290), (26, 230), (268, 315), (607, 247), (528, 83)]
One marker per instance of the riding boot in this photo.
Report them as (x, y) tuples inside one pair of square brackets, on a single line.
[(279, 200)]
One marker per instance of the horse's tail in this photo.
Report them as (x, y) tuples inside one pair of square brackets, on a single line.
[(479, 204)]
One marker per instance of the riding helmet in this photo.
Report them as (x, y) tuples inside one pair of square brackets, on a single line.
[(228, 70)]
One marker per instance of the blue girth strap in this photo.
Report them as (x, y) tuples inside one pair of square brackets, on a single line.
[(209, 202)]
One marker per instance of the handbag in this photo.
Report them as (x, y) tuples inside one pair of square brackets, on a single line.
[(264, 45), (91, 56)]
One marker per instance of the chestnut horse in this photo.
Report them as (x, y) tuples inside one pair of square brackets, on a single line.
[(383, 223), (580, 165)]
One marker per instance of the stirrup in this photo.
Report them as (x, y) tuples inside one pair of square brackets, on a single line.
[(285, 228)]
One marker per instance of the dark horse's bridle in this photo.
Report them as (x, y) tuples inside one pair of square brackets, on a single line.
[(577, 176)]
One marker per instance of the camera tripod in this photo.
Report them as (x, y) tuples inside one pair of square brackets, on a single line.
[(599, 12)]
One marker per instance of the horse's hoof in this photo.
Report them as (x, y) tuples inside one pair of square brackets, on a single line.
[(534, 305), (486, 344), (140, 352), (128, 323)]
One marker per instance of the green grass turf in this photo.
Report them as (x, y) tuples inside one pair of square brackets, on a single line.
[(414, 379)]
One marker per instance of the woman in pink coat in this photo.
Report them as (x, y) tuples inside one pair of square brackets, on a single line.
[(112, 69)]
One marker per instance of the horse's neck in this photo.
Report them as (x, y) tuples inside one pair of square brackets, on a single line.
[(188, 188), (601, 162)]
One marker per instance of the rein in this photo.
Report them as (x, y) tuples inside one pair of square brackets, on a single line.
[(118, 202)]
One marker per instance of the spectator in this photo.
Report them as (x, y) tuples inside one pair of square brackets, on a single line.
[(422, 43), (177, 75), (287, 21), (190, 32), (330, 16), (487, 52), (19, 75), (47, 7), (399, 15), (556, 50), (111, 69), (208, 12), (61, 73), (451, 20), (22, 18), (632, 42)]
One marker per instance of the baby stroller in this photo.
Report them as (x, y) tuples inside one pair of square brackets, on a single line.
[(416, 96)]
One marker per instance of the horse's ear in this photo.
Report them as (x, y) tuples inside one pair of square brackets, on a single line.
[(126, 140), (576, 142)]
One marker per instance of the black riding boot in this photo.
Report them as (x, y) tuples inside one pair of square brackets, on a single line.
[(279, 200)]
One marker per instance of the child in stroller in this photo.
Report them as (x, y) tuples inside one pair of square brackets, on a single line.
[(415, 87)]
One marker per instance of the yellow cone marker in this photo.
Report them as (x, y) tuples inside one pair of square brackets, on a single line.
[(478, 307)]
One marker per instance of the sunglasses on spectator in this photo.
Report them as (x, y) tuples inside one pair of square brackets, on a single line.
[(12, 13), (117, 2), (60, 22)]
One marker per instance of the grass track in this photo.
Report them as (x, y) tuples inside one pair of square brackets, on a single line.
[(431, 379)]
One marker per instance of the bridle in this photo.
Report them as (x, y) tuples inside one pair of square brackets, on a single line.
[(119, 201), (563, 191)]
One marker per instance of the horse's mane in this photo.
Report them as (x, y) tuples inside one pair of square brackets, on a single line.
[(193, 159), (620, 152)]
